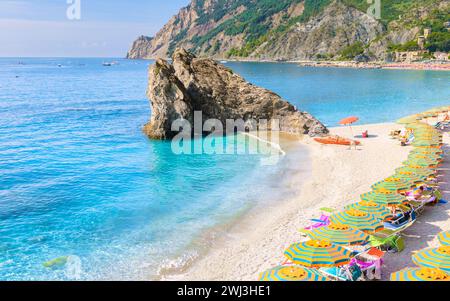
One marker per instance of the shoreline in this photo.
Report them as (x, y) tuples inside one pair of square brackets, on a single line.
[(425, 66), (430, 66), (339, 176)]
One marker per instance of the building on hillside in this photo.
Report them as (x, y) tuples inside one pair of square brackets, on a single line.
[(409, 56), (421, 42), (442, 56)]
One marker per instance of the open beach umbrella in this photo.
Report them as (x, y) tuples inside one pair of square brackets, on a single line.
[(349, 121), (427, 137), (338, 234), (376, 209), (420, 126), (383, 198), (418, 143), (358, 219), (420, 274), (427, 172), (444, 238), (292, 273), (411, 177), (434, 258), (315, 253), (427, 151), (392, 184), (432, 161), (420, 163), (429, 114), (411, 119), (429, 157)]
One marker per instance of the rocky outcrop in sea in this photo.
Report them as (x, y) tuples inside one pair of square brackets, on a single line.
[(197, 84)]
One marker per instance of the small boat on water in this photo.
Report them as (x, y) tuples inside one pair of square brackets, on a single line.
[(336, 140), (223, 62), (108, 64)]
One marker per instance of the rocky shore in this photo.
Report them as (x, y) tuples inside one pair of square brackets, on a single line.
[(193, 84)]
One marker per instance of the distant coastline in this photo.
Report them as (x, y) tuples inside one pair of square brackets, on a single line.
[(426, 66)]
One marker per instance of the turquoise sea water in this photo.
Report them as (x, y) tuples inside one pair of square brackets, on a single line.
[(78, 178)]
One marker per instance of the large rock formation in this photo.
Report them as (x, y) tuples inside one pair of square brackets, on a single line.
[(195, 84)]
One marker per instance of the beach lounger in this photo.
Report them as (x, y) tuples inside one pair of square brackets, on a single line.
[(370, 263), (393, 243), (401, 221), (351, 272), (323, 221)]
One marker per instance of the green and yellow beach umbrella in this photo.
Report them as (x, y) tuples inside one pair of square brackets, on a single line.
[(426, 143), (315, 253), (357, 219), (376, 209), (427, 172), (292, 273), (434, 258), (427, 138), (385, 198), (427, 151), (338, 234), (420, 274), (392, 184), (433, 111), (428, 157), (444, 238), (429, 114), (409, 119), (411, 177), (420, 127), (419, 163)]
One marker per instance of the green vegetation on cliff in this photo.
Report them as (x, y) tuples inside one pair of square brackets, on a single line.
[(277, 29), (264, 33)]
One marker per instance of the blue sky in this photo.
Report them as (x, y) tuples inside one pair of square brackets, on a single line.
[(106, 28)]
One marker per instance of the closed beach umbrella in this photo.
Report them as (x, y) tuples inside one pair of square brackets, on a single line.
[(358, 219), (434, 258), (380, 211), (392, 184), (383, 198), (292, 273), (444, 238), (315, 253), (338, 234), (420, 274), (349, 121)]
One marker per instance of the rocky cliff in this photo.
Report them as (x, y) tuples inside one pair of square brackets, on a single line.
[(197, 84), (293, 29)]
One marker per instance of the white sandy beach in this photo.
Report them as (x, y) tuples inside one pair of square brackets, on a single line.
[(339, 176)]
